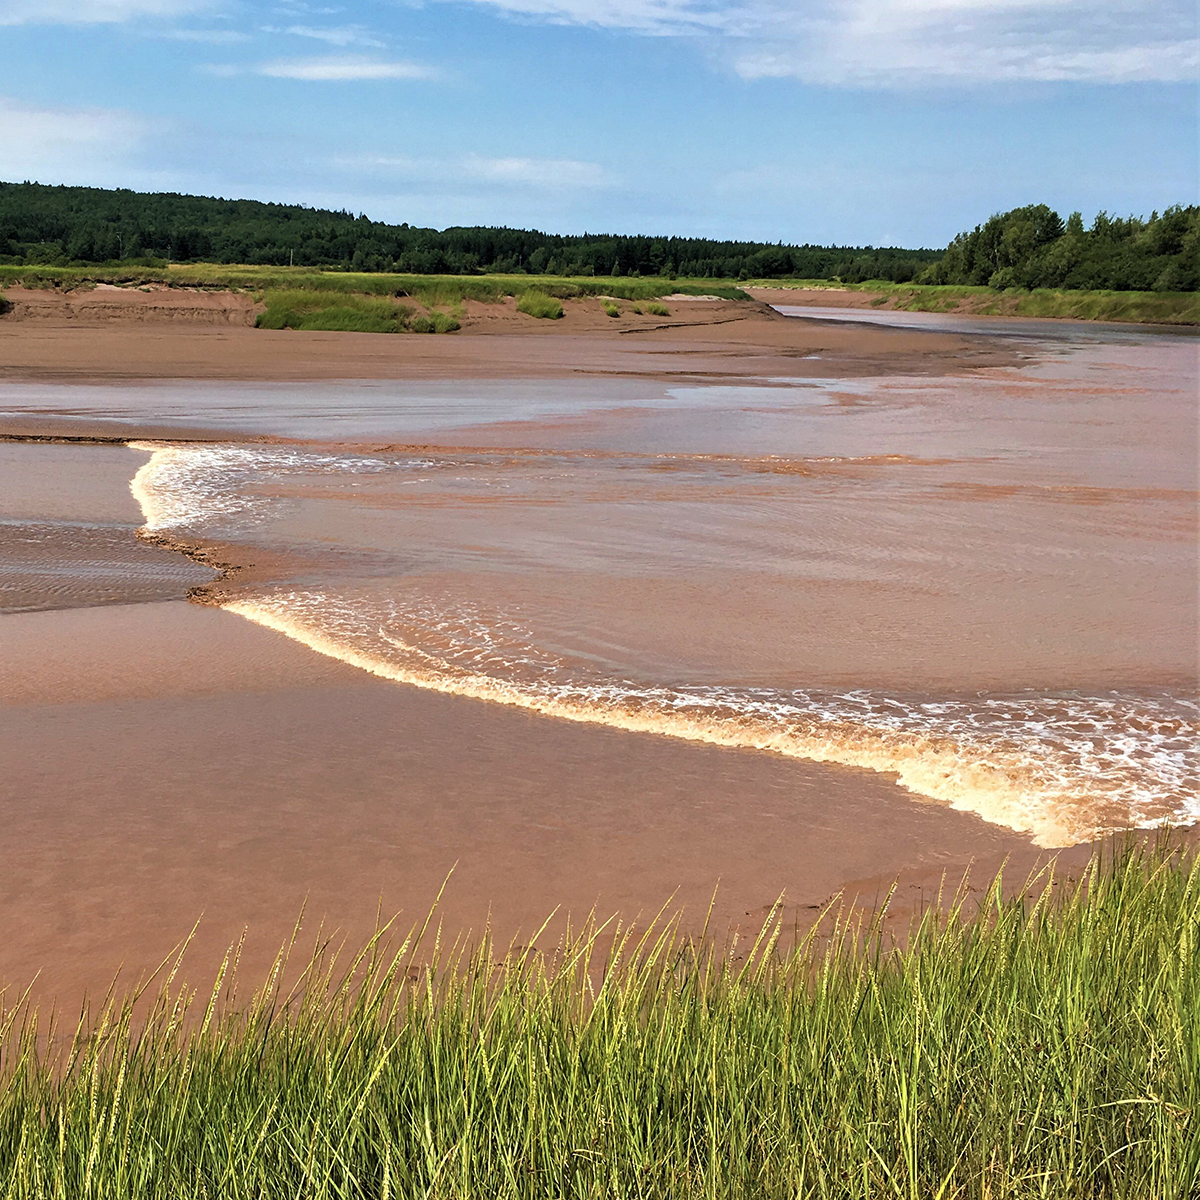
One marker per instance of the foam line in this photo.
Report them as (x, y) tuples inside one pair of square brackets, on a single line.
[(1061, 770), (920, 766)]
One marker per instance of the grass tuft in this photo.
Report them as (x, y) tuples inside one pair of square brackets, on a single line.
[(1047, 1047), (298, 308), (435, 322), (539, 304), (611, 310), (657, 310)]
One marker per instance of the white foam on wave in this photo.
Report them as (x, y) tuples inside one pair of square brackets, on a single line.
[(189, 487), (1060, 767)]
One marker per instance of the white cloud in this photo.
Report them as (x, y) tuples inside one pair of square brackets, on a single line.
[(888, 43), (645, 16), (542, 172), (334, 35), (554, 173), (340, 35), (342, 68), (93, 12), (60, 143), (211, 37)]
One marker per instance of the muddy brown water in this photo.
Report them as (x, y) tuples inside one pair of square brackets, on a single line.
[(593, 642)]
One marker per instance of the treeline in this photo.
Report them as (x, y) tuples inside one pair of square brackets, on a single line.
[(58, 226), (1029, 247), (1033, 247)]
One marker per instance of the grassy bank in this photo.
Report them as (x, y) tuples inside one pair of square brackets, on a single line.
[(295, 308), (448, 292), (295, 298), (1158, 308), (425, 289), (538, 304), (1050, 1049)]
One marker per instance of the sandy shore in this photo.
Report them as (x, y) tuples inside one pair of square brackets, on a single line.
[(168, 761), (165, 760), (56, 337), (830, 297)]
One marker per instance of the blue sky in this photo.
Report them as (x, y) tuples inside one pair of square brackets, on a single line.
[(852, 121)]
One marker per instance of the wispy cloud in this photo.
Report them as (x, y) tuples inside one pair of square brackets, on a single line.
[(917, 42), (542, 172), (342, 68), (210, 37), (889, 43), (844, 43), (62, 143), (336, 35), (645, 16), (512, 172), (94, 12)]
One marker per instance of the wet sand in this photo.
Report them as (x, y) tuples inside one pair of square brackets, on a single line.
[(701, 341), (166, 761), (68, 533)]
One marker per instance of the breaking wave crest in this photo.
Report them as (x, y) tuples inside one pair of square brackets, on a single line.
[(188, 487), (1060, 767)]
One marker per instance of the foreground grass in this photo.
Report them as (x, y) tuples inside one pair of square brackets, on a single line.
[(1157, 308), (1051, 1048)]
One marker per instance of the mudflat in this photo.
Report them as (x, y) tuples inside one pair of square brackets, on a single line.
[(168, 762), (125, 334), (588, 636)]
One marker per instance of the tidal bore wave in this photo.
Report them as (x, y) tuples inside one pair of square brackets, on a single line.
[(1060, 767)]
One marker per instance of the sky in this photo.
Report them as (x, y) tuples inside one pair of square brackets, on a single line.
[(864, 122)]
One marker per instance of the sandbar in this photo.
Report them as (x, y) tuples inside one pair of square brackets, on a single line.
[(52, 337)]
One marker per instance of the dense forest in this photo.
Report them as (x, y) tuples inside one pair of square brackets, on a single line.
[(1033, 247), (1025, 248), (61, 225)]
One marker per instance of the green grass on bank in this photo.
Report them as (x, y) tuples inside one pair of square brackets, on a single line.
[(538, 304), (425, 289), (296, 298), (295, 308), (1051, 1049), (450, 291), (1160, 308)]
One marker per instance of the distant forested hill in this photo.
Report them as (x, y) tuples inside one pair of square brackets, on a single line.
[(1033, 247), (1026, 248), (60, 225)]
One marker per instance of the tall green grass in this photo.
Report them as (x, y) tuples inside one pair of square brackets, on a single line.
[(1047, 1048), (1170, 308), (538, 304), (429, 290), (296, 308)]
